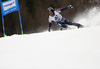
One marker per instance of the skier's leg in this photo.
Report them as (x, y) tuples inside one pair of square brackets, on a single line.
[(71, 23), (61, 25), (78, 25)]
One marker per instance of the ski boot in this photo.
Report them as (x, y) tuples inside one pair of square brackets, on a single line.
[(80, 26)]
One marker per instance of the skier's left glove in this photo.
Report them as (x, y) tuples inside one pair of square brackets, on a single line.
[(70, 6)]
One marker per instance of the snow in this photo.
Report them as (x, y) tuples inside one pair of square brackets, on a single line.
[(90, 17), (69, 49)]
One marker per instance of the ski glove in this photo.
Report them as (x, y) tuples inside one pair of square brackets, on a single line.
[(70, 6)]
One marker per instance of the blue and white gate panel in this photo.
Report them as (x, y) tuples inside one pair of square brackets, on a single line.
[(9, 6)]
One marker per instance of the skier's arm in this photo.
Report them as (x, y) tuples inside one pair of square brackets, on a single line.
[(49, 27), (50, 23), (65, 8)]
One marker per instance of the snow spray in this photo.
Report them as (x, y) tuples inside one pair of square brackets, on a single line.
[(90, 17)]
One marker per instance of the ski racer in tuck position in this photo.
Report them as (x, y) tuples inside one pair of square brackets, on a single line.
[(55, 16)]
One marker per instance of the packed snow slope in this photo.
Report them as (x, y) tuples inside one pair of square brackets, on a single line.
[(69, 49)]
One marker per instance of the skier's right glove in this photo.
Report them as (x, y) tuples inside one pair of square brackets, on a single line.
[(49, 29), (70, 6)]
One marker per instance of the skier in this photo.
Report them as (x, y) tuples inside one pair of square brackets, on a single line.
[(55, 16)]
